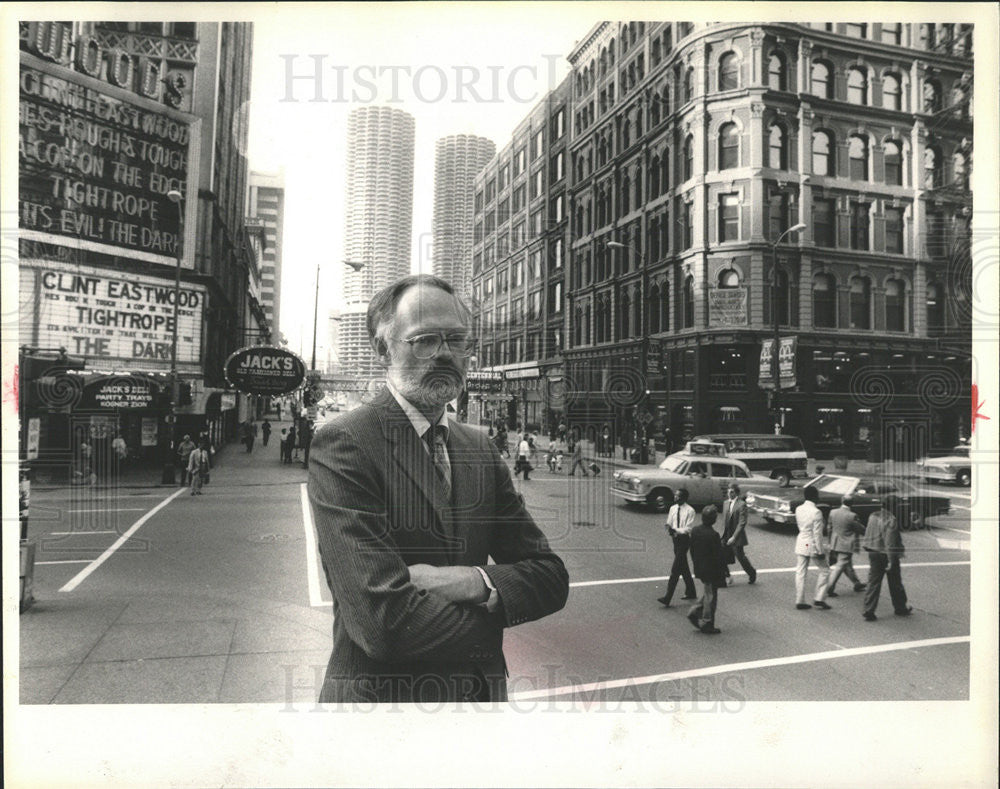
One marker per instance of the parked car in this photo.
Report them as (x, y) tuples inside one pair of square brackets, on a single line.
[(915, 506), (956, 467), (781, 458), (706, 477)]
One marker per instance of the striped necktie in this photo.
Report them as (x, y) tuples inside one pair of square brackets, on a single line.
[(435, 437)]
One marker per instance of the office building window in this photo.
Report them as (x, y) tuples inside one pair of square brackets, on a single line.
[(778, 214), (893, 163), (776, 72), (892, 94), (821, 83), (895, 305), (729, 71), (824, 294), (857, 31), (729, 146), (824, 222), (860, 219), (729, 217), (688, 302), (688, 157), (861, 298), (894, 230), (823, 160), (932, 167), (689, 84), (858, 150), (935, 309), (777, 147), (892, 34), (857, 85)]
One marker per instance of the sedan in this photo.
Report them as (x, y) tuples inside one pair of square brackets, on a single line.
[(915, 506), (956, 467), (705, 478)]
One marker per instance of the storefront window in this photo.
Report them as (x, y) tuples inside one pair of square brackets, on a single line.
[(728, 419), (830, 427)]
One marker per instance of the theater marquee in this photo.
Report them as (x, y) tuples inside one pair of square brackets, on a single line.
[(102, 314)]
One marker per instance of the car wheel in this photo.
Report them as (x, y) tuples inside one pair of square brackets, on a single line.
[(964, 477), (917, 521), (784, 478), (660, 499)]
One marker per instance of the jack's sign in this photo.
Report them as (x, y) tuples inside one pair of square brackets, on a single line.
[(265, 370)]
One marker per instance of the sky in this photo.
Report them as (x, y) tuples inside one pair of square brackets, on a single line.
[(457, 68)]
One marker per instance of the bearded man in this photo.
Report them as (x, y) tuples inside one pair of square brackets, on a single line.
[(408, 508)]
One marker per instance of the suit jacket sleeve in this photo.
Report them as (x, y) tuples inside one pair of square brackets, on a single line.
[(383, 613), (531, 580), (819, 542)]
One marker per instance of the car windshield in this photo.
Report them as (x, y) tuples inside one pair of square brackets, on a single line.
[(827, 483), (676, 465), (961, 452)]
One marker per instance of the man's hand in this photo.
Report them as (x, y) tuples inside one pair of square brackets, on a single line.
[(457, 584), (731, 541)]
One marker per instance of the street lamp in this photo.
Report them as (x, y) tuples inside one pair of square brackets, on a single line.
[(168, 478), (644, 307), (775, 375)]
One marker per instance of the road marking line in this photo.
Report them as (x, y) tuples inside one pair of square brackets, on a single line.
[(907, 565), (112, 509), (312, 553), (82, 575), (751, 665), (949, 528), (66, 561), (83, 531)]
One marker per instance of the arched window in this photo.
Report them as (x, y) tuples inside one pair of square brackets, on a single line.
[(777, 147), (586, 324), (578, 327), (688, 302), (820, 82), (935, 309), (664, 172), (729, 146), (626, 134), (729, 278), (858, 150), (932, 96), (688, 156), (823, 153), (624, 317), (654, 176), (892, 94), (861, 303), (624, 195), (637, 315), (689, 84), (664, 307), (893, 163), (857, 85), (776, 72), (895, 305), (729, 71), (932, 167), (654, 238), (653, 309), (824, 294), (638, 188)]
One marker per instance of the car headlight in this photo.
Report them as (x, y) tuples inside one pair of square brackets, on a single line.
[(617, 476), (784, 506), (636, 482), (751, 498), (921, 462)]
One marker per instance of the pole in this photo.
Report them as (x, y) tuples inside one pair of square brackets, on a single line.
[(775, 374), (315, 317)]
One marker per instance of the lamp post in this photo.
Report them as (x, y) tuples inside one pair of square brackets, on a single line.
[(168, 478), (315, 316), (775, 374), (643, 306)]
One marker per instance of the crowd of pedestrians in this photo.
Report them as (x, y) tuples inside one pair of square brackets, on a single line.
[(821, 542)]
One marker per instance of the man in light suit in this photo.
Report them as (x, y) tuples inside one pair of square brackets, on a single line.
[(408, 508), (810, 545), (845, 528), (734, 531)]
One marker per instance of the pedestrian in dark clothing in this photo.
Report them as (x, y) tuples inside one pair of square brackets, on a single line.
[(845, 528), (184, 450), (734, 535), (292, 448), (885, 548), (709, 568), (277, 411), (680, 522), (576, 458), (286, 455), (265, 430)]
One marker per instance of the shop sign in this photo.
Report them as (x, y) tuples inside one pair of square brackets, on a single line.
[(265, 370), (524, 372), (119, 392), (148, 427), (34, 431), (786, 363), (227, 402), (96, 168), (483, 381), (727, 306), (96, 313)]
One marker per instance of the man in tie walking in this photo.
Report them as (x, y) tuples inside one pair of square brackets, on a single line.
[(734, 533)]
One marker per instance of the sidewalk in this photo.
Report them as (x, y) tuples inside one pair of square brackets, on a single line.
[(177, 636)]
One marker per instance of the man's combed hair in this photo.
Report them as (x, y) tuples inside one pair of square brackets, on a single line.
[(382, 307)]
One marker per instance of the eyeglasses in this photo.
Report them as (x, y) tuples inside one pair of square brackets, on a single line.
[(426, 346)]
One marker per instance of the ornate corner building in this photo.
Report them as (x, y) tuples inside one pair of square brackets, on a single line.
[(692, 150)]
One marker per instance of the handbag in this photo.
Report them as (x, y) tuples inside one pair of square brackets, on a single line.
[(728, 554), (595, 469)]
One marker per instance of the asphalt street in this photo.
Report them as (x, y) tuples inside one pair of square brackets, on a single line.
[(150, 595)]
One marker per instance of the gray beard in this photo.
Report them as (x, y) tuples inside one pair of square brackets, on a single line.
[(427, 392)]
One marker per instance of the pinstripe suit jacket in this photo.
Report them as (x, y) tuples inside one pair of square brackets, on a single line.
[(378, 508)]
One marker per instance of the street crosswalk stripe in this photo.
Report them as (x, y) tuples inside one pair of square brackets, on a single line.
[(749, 665), (81, 531), (312, 572), (111, 509), (65, 561), (81, 576), (648, 579)]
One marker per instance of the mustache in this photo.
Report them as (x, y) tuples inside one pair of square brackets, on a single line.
[(442, 370)]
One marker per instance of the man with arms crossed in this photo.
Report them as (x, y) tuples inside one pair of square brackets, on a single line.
[(408, 507)]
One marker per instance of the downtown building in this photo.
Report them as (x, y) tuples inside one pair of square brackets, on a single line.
[(378, 223), (267, 206), (693, 150), (116, 116), (457, 160)]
